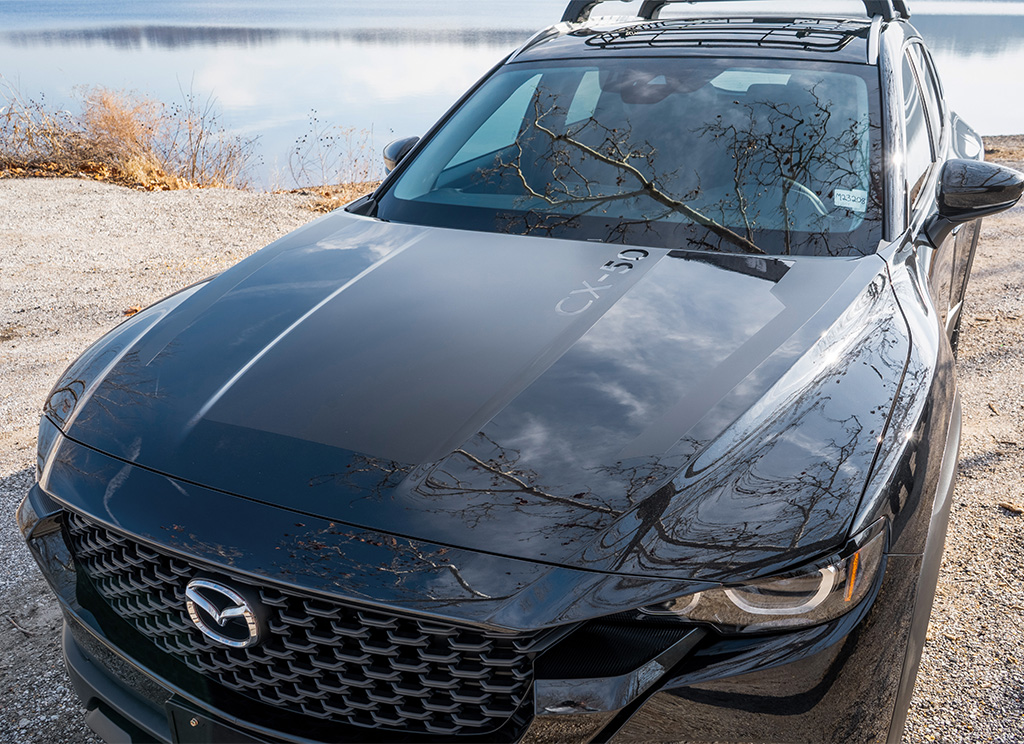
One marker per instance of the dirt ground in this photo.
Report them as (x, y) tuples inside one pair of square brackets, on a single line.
[(75, 255)]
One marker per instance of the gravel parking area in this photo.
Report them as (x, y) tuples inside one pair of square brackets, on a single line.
[(75, 255)]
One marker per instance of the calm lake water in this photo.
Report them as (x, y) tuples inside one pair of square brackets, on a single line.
[(390, 66)]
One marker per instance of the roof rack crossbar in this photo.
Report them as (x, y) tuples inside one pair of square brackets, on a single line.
[(579, 10), (763, 36)]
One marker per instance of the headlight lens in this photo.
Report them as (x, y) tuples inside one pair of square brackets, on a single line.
[(810, 596)]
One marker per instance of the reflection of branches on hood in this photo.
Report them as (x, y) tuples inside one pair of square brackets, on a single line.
[(421, 558), (803, 499), (386, 475), (522, 486), (408, 558), (64, 398), (128, 384), (802, 494), (638, 477), (622, 160), (506, 477)]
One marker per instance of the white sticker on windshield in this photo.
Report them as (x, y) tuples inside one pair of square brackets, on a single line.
[(855, 201)]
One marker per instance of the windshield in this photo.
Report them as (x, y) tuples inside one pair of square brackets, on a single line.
[(775, 157)]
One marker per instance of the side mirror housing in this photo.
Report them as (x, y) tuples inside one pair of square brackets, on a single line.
[(969, 190), (394, 152)]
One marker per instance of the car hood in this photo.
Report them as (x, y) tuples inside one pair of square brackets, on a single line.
[(638, 411)]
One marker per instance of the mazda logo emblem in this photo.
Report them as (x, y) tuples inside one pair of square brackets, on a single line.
[(222, 614)]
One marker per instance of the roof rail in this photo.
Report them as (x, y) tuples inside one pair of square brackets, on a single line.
[(579, 10)]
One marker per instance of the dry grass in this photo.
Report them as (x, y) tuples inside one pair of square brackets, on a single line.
[(129, 139), (124, 138), (1009, 148), (328, 198)]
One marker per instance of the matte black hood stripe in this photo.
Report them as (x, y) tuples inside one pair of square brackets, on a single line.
[(416, 356), (284, 334)]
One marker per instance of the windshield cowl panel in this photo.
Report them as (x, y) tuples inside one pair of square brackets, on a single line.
[(754, 156)]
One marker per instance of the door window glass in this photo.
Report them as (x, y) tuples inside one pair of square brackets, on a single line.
[(931, 94), (918, 144)]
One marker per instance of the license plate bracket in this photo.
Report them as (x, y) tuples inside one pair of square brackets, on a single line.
[(190, 726)]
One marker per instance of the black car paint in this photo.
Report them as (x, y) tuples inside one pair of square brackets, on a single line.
[(579, 432), (871, 348)]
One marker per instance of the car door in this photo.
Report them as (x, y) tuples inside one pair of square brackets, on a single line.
[(965, 236)]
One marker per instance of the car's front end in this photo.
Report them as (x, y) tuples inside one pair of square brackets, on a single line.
[(756, 575), (371, 637)]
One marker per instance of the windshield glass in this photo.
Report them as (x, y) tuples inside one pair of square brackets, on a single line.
[(748, 156)]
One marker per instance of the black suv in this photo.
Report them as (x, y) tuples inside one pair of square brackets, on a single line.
[(624, 409)]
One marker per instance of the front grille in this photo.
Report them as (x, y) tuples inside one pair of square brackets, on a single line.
[(331, 661)]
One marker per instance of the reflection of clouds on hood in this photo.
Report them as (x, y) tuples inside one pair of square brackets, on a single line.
[(375, 251), (376, 239), (629, 373), (688, 303), (535, 440), (638, 410), (675, 330), (656, 346)]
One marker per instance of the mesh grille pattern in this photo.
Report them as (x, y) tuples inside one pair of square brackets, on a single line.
[(322, 659)]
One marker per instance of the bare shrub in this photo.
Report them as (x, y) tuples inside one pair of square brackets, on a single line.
[(198, 148), (30, 132), (330, 154), (337, 163)]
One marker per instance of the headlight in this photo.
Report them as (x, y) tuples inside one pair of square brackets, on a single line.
[(810, 596)]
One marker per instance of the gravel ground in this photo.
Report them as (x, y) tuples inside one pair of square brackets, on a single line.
[(77, 254), (74, 255), (970, 687)]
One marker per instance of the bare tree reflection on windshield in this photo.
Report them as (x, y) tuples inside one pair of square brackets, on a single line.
[(785, 162)]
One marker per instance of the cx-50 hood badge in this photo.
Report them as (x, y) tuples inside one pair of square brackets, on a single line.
[(222, 614)]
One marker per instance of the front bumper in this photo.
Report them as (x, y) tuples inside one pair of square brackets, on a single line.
[(835, 694), (832, 683)]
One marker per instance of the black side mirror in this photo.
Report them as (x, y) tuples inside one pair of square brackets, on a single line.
[(394, 152), (969, 190)]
